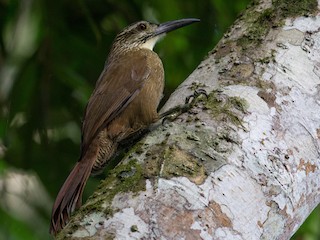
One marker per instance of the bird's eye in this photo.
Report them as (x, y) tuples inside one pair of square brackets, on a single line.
[(142, 26)]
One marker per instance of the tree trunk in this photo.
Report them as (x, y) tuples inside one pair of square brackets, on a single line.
[(242, 163)]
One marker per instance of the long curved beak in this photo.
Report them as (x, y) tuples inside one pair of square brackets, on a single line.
[(172, 25)]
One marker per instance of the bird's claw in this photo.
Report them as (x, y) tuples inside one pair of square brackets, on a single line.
[(175, 112), (171, 114), (197, 93)]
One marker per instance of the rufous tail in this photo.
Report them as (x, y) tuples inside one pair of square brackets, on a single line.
[(69, 197)]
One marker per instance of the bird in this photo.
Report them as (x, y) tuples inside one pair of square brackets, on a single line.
[(124, 101)]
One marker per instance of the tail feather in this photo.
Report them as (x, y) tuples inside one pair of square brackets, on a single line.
[(70, 195)]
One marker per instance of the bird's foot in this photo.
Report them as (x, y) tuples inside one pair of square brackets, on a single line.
[(197, 93), (175, 112)]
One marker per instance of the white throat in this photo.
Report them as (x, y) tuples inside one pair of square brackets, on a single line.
[(151, 42)]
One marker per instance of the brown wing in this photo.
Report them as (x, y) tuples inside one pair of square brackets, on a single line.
[(117, 86)]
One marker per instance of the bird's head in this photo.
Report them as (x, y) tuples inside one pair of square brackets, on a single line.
[(144, 34)]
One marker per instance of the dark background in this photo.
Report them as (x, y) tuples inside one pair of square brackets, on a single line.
[(51, 54)]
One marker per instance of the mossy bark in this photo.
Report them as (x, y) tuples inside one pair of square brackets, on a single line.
[(242, 163)]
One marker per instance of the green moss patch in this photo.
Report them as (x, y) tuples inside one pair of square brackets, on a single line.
[(179, 163), (293, 8), (262, 22), (226, 108)]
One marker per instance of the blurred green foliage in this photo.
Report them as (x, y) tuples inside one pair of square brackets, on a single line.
[(51, 54)]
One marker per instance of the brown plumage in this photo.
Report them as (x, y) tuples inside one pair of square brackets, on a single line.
[(124, 101)]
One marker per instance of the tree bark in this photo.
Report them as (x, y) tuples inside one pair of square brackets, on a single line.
[(242, 163)]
